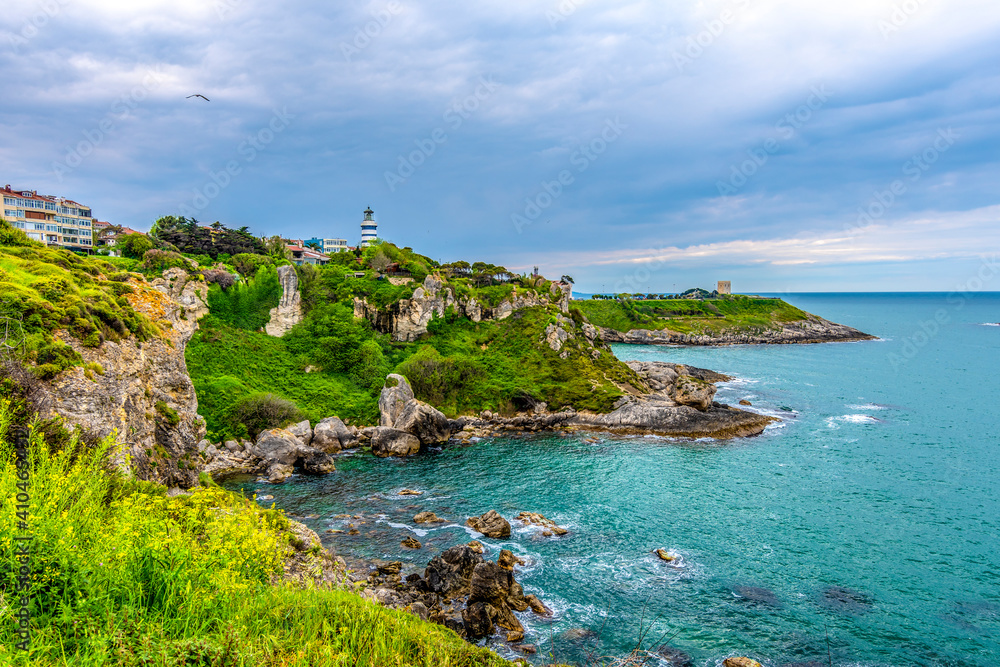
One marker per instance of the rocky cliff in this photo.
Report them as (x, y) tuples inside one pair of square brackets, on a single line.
[(142, 389), (680, 404), (407, 319), (811, 330), (288, 313)]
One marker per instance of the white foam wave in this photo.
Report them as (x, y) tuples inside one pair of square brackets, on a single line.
[(832, 422), (869, 407), (990, 324)]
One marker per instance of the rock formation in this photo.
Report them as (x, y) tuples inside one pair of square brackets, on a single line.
[(662, 412), (407, 319), (812, 330), (276, 455), (331, 435), (388, 441), (143, 391), (490, 524), (404, 420), (288, 313)]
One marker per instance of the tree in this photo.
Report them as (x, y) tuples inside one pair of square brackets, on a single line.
[(568, 279), (134, 245), (379, 261), (314, 245), (277, 249)]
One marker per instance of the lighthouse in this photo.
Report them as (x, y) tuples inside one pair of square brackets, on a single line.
[(369, 228)]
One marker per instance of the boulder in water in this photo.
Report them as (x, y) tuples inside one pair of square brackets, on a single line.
[(395, 395), (490, 524), (427, 423), (740, 662), (391, 442), (411, 543), (428, 517)]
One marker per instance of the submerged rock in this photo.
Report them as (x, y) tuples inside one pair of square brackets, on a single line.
[(674, 656), (537, 519), (847, 601), (757, 595), (490, 524)]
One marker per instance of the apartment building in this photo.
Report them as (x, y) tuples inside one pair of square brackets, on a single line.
[(328, 246), (52, 220)]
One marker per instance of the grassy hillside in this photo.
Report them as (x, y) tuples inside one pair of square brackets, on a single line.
[(121, 574), (726, 314), (460, 366), (44, 290)]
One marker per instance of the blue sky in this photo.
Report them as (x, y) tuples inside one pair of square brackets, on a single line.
[(638, 146)]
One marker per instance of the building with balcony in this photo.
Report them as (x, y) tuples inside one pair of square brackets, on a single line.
[(369, 228), (302, 255), (328, 246), (54, 221)]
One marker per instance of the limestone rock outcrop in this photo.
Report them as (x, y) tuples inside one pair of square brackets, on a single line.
[(288, 312), (811, 330), (332, 435), (407, 319), (395, 395), (427, 423), (387, 441), (144, 391)]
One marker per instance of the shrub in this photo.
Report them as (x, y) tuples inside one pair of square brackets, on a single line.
[(169, 414), (219, 277), (247, 306), (261, 411), (134, 245), (11, 236), (161, 260), (247, 264)]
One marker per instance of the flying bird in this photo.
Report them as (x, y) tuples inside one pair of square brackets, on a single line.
[(201, 96)]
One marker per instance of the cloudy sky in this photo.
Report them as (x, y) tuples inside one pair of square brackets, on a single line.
[(636, 145)]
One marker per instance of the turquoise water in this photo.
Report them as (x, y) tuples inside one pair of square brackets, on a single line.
[(882, 478)]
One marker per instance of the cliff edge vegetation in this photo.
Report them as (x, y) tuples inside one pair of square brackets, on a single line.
[(466, 348), (122, 573), (718, 320)]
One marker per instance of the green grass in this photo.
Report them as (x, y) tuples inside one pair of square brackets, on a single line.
[(228, 364), (48, 289), (464, 367), (122, 575), (728, 314)]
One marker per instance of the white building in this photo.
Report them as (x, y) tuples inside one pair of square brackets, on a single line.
[(369, 228), (328, 246), (51, 220)]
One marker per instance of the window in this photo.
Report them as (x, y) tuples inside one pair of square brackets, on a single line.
[(84, 223), (51, 228), (10, 200), (50, 206), (12, 213)]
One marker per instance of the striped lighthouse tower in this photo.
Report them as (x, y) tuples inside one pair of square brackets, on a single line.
[(369, 228)]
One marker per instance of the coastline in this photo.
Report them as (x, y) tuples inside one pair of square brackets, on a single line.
[(809, 332)]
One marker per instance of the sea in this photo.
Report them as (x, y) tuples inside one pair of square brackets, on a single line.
[(861, 529)]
